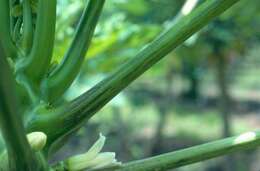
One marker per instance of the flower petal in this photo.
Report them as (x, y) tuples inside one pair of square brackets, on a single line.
[(82, 161)]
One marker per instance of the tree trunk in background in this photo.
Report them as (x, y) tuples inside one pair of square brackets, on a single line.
[(194, 81), (190, 73), (158, 136), (224, 97), (162, 105), (122, 132), (224, 105)]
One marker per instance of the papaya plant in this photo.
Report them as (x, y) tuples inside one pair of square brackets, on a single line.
[(35, 121)]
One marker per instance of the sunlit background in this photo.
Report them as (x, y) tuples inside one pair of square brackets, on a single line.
[(206, 89)]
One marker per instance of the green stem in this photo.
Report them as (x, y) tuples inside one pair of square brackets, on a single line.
[(68, 118), (13, 19), (41, 53), (23, 81), (90, 102), (27, 26), (5, 30), (16, 31), (20, 155), (187, 156), (62, 77), (195, 154)]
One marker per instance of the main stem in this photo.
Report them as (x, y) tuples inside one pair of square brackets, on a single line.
[(20, 155)]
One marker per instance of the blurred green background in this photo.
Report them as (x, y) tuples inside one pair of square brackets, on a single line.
[(206, 89)]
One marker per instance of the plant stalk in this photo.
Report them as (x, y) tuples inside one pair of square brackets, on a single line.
[(20, 155), (62, 77), (195, 154), (27, 26), (38, 61)]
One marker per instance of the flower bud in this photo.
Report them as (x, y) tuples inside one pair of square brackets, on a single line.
[(37, 140)]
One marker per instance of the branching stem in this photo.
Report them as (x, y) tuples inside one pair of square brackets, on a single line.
[(36, 65), (62, 77), (68, 118)]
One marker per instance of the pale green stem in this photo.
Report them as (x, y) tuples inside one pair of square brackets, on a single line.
[(195, 154), (43, 41), (27, 26), (62, 77)]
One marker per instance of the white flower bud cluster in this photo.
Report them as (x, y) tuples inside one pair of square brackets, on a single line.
[(93, 159), (37, 140)]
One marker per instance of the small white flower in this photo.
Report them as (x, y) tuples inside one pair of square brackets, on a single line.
[(37, 140), (107, 163), (92, 159)]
